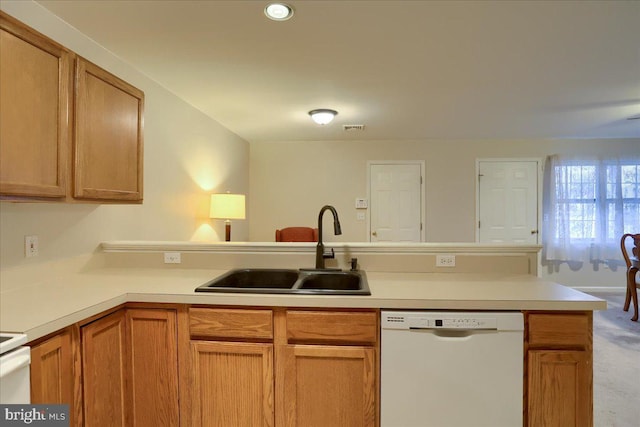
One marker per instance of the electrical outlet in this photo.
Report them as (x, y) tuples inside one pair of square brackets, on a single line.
[(172, 258), (31, 247), (445, 260)]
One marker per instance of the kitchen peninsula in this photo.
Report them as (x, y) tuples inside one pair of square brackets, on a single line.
[(126, 315)]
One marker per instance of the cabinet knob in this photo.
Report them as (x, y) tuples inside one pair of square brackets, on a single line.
[(375, 233), (534, 231)]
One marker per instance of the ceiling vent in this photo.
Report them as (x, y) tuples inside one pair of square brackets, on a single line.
[(352, 128)]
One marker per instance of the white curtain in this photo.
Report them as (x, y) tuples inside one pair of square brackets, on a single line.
[(588, 204)]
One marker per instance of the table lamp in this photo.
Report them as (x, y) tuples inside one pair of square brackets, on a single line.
[(227, 206)]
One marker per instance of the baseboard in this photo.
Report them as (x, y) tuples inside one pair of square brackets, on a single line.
[(601, 289)]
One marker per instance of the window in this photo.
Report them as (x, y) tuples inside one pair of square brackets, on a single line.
[(589, 205)]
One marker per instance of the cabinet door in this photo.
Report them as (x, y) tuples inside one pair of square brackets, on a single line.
[(108, 136), (35, 79), (232, 384), (104, 367), (52, 375), (559, 390), (154, 366), (329, 386)]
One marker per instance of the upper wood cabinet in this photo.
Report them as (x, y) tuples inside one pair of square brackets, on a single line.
[(35, 88), (67, 132), (107, 136)]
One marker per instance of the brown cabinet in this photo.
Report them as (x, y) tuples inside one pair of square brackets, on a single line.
[(279, 367), (328, 366), (329, 386), (130, 368), (233, 384), (52, 371), (60, 141), (231, 368), (559, 369), (153, 375), (107, 136), (169, 365), (104, 372), (35, 89)]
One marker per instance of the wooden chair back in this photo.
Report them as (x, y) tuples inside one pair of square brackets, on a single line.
[(297, 234), (633, 266)]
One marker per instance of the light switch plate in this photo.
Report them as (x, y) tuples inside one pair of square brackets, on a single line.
[(31, 246), (362, 203)]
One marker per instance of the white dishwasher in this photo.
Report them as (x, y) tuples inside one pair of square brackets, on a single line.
[(451, 369)]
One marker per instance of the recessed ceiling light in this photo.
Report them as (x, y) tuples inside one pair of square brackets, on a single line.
[(278, 11), (322, 116)]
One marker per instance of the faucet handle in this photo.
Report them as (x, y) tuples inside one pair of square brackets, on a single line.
[(329, 253), (354, 264)]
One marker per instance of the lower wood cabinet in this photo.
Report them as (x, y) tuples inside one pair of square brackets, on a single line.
[(52, 371), (117, 370), (153, 371), (558, 388), (106, 394), (329, 386), (232, 384), (559, 373), (281, 367), (170, 365)]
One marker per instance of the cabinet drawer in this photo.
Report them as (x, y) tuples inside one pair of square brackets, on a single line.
[(230, 323), (332, 327), (553, 330)]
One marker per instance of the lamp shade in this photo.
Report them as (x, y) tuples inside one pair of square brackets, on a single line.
[(227, 206)]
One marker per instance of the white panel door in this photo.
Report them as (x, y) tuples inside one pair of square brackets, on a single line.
[(396, 202), (508, 202)]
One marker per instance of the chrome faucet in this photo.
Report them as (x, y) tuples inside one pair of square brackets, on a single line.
[(320, 253)]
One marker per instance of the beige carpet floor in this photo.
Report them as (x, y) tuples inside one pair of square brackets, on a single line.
[(616, 365)]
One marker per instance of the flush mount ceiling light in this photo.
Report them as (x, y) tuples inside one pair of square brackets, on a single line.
[(322, 116), (278, 11)]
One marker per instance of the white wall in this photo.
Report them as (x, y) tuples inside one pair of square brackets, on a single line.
[(187, 155), (291, 181)]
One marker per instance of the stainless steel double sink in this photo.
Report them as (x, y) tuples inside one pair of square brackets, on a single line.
[(289, 281)]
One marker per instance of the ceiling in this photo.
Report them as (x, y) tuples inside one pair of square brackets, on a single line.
[(405, 69)]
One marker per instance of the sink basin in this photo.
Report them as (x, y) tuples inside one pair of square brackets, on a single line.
[(252, 280), (278, 281), (343, 282)]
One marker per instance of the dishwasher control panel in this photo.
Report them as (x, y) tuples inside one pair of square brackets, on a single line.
[(444, 320)]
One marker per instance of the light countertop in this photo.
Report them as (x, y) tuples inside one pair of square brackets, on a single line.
[(55, 302)]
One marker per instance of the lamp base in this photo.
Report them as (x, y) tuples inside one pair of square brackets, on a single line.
[(227, 231)]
